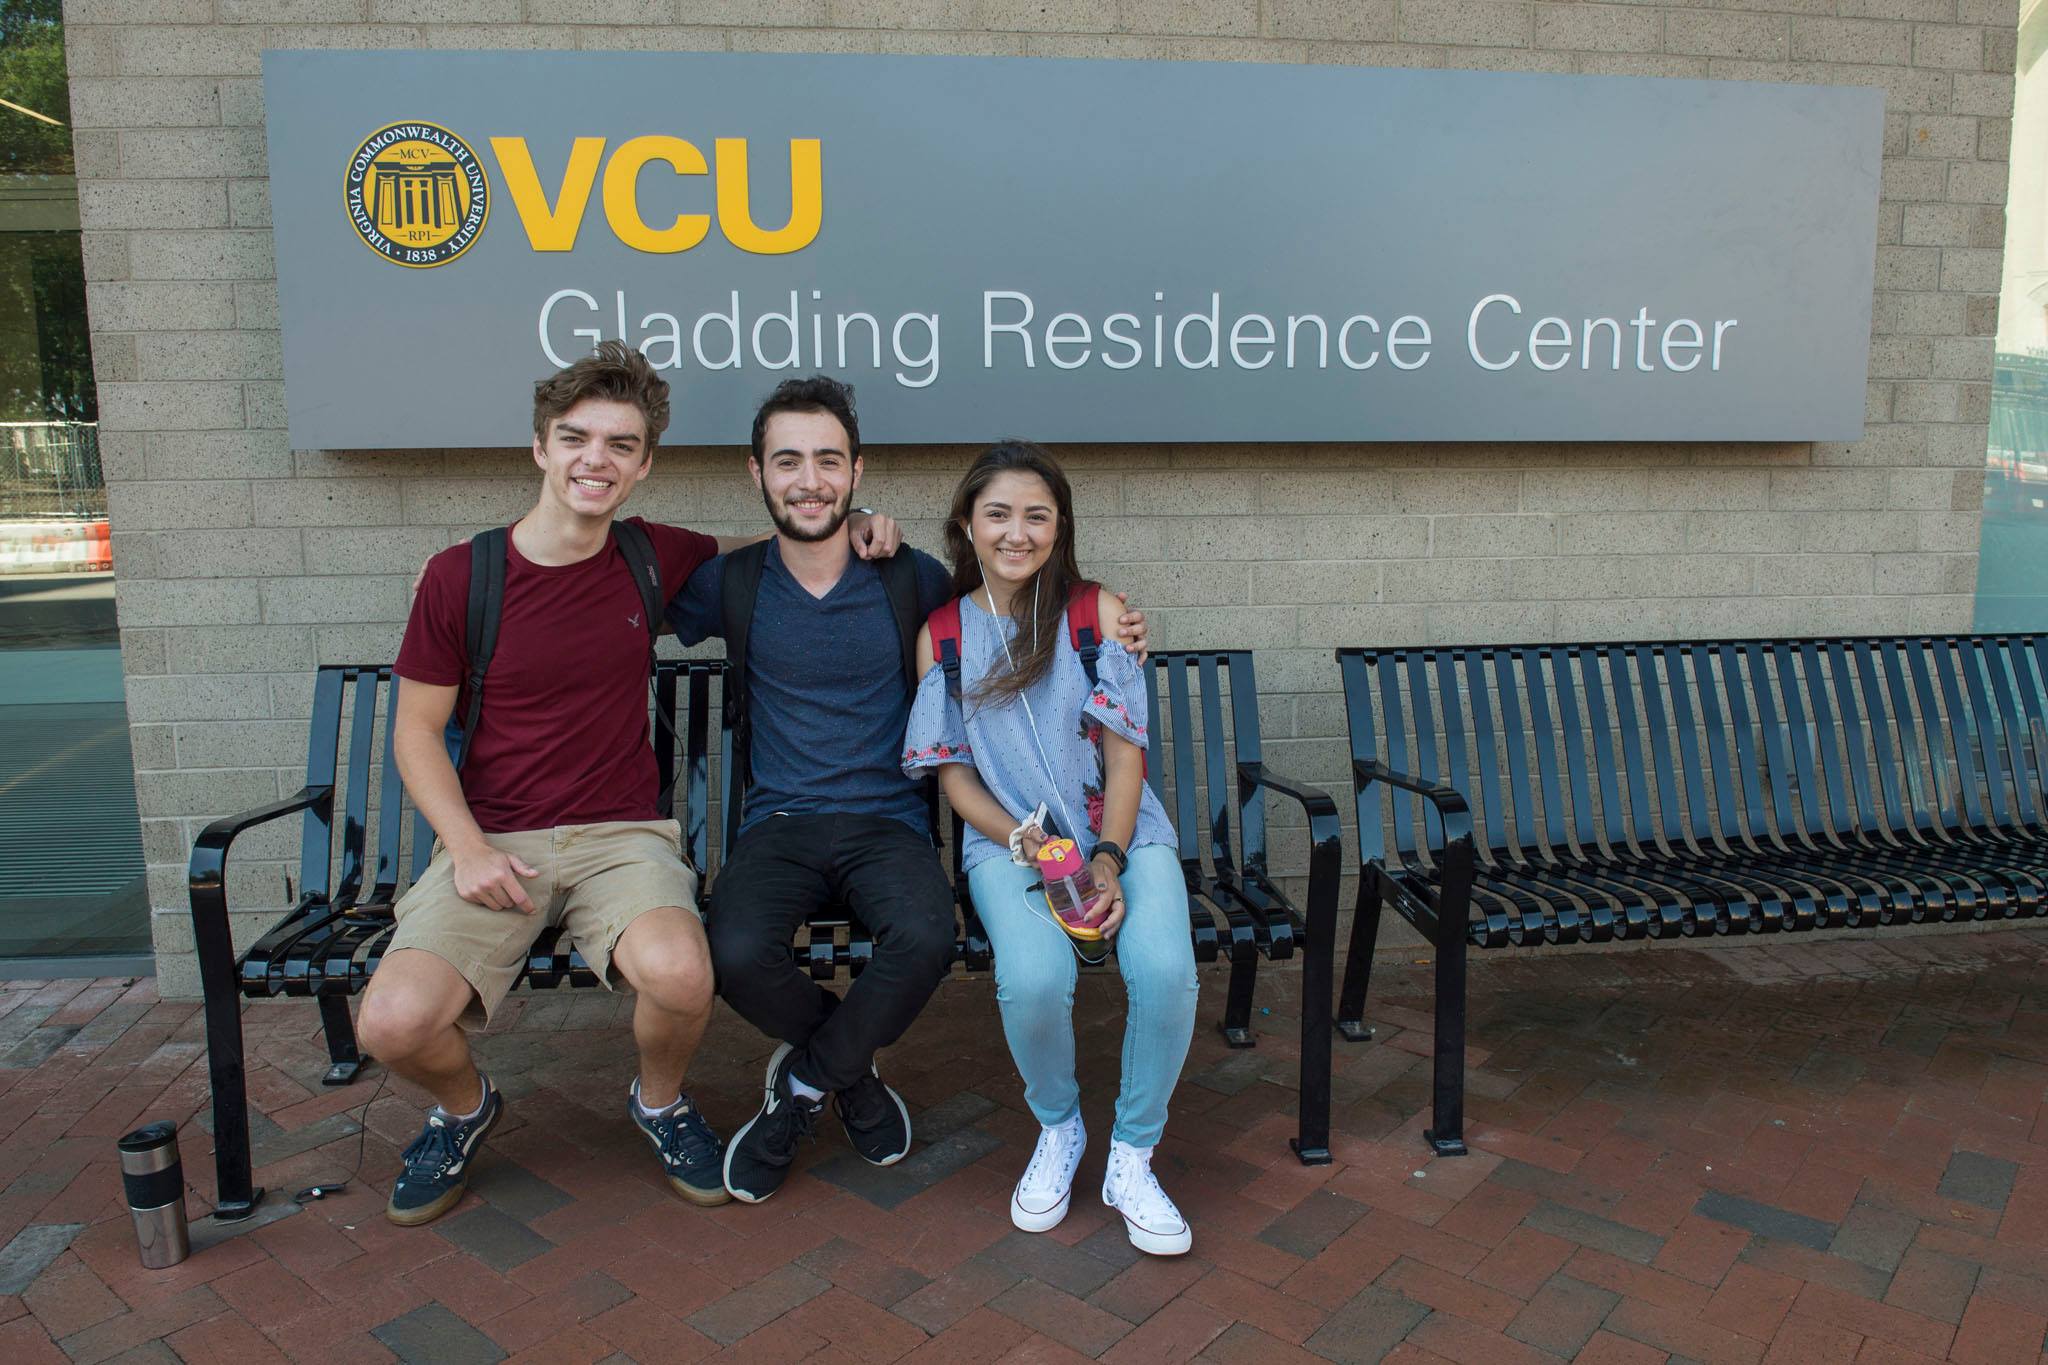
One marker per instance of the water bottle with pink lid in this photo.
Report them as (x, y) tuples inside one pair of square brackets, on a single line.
[(1070, 888)]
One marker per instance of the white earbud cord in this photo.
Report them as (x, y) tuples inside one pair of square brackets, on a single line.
[(1003, 639)]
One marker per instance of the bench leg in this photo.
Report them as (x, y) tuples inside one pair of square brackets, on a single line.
[(1446, 1134), (344, 1057), (1365, 941), (1237, 1007), (235, 1196), (1311, 1142)]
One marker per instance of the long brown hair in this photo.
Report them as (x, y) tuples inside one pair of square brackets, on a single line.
[(1037, 641)]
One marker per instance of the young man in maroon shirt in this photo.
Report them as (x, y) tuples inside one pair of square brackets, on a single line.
[(553, 819)]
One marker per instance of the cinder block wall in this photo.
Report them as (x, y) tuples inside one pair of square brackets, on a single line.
[(243, 564)]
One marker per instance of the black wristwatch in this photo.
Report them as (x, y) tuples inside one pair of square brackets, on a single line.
[(1116, 854)]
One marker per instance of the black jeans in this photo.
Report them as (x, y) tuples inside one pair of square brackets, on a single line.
[(888, 877)]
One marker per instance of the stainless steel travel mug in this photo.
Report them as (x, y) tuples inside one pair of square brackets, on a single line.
[(155, 1181)]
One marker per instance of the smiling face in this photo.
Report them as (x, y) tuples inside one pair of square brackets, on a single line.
[(805, 474), (593, 457), (1015, 526)]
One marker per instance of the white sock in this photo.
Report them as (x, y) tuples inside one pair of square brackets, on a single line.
[(803, 1089), (484, 1098), (641, 1104)]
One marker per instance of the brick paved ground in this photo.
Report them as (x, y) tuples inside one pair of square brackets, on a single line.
[(1811, 1151)]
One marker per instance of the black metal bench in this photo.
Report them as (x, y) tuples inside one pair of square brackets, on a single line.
[(1534, 794), (352, 871)]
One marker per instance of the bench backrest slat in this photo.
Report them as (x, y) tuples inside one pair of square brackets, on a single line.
[(2011, 730), (2034, 679), (1490, 674), (1697, 822), (1811, 684), (1713, 686), (1946, 799), (1738, 675), (695, 780), (1244, 725), (1986, 731), (1891, 787), (1664, 795), (1562, 662), (1545, 731), (1183, 722), (1948, 666), (1605, 769), (1358, 705), (390, 798), (1457, 771), (1911, 741), (664, 747), (1854, 759), (1218, 786), (1795, 732), (1427, 733), (356, 808), (323, 740), (1479, 676)]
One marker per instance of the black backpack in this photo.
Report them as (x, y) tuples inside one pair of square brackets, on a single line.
[(487, 555), (742, 585)]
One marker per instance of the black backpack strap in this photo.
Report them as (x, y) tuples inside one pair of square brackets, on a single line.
[(487, 551), (638, 548), (1084, 625), (899, 581), (738, 588)]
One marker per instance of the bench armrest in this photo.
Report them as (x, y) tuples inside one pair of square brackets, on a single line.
[(1321, 808), (207, 875), (1449, 802), (215, 946), (1319, 927)]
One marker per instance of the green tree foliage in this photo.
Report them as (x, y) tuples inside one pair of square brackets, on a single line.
[(32, 75), (45, 356)]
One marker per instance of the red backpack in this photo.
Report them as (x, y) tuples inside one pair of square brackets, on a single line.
[(1084, 628)]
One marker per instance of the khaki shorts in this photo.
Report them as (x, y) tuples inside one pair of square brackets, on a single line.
[(594, 881)]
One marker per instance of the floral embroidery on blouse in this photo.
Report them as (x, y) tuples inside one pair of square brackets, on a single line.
[(1101, 698), (963, 752)]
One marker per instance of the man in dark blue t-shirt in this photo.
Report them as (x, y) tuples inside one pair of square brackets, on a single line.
[(830, 816)]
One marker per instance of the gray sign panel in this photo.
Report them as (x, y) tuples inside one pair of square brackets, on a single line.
[(1072, 250)]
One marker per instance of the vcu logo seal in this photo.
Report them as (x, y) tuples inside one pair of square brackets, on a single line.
[(416, 194)]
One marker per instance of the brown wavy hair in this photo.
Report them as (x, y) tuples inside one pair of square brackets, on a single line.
[(1053, 582), (615, 372)]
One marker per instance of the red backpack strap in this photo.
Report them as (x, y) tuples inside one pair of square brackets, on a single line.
[(944, 625), (1084, 624)]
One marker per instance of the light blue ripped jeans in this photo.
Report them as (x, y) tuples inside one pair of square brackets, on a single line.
[(1035, 971)]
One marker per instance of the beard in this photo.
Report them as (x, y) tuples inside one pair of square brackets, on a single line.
[(790, 527)]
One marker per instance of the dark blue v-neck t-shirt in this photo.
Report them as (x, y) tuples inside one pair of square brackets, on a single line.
[(826, 693)]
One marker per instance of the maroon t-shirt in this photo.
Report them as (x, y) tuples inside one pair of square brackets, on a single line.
[(563, 735)]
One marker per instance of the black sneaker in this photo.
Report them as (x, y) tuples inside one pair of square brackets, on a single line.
[(876, 1122), (691, 1155), (760, 1154), (437, 1163)]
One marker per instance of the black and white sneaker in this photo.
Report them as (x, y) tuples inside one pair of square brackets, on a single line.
[(437, 1162), (758, 1158), (876, 1122)]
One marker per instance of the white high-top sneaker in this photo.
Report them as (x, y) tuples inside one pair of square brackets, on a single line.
[(1041, 1198), (1153, 1224)]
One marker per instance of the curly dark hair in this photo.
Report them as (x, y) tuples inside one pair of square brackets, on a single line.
[(819, 393)]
